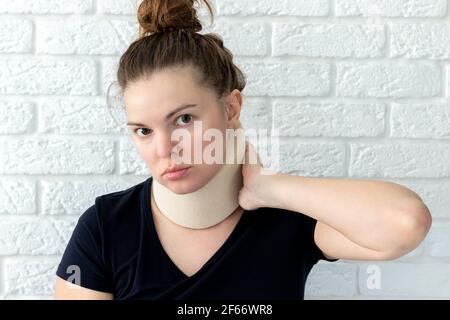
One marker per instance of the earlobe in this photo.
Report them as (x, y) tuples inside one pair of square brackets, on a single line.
[(233, 108), (234, 111)]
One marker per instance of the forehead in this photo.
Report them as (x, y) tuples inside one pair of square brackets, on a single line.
[(163, 89)]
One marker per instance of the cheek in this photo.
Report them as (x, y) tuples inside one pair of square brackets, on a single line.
[(146, 153)]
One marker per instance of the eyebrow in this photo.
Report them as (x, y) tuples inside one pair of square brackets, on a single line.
[(182, 107)]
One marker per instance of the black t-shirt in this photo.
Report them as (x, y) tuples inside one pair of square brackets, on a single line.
[(116, 248)]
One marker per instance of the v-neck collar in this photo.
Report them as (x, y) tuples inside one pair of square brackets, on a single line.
[(148, 217)]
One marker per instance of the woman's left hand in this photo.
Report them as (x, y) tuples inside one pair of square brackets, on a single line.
[(256, 178)]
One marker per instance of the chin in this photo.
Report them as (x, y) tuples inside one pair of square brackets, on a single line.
[(180, 187), (192, 182)]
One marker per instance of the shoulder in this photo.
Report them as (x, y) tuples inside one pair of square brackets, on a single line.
[(110, 208), (112, 205)]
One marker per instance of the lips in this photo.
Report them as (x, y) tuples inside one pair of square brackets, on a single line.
[(175, 174), (174, 169)]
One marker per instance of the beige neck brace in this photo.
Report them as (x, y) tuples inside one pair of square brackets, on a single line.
[(210, 204)]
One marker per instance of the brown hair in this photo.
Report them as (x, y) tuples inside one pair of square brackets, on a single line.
[(169, 38)]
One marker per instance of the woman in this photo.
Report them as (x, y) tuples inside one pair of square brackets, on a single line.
[(198, 230)]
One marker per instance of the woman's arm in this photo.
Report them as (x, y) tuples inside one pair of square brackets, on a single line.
[(65, 290), (356, 219)]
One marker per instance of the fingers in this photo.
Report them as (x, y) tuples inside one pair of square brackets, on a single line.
[(251, 155)]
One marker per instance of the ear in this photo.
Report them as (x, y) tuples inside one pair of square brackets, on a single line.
[(234, 104)]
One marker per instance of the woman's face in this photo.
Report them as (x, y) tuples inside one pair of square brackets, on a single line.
[(150, 104)]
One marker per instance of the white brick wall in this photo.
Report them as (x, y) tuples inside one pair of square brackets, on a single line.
[(357, 88)]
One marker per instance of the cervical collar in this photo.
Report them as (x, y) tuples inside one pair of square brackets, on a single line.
[(213, 202)]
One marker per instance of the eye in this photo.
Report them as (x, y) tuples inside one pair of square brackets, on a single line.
[(136, 131), (185, 118)]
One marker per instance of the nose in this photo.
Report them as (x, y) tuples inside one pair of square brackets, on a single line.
[(164, 146)]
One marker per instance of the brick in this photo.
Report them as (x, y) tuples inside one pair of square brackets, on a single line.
[(430, 41), (56, 156), (74, 197), (410, 160), (329, 40), (286, 79), (46, 6), (332, 279), (26, 276), (33, 76), (392, 8), (130, 7), (17, 196), (15, 35), (407, 280), (130, 160), (243, 39), (413, 120), (447, 80), (312, 159), (84, 35), (255, 113), (328, 119), (118, 7), (438, 240), (34, 236), (109, 68), (16, 117), (274, 8), (388, 80), (76, 116)]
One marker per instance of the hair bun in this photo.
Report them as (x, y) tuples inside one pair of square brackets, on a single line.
[(161, 15)]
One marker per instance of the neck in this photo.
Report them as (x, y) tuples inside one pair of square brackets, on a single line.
[(210, 204)]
